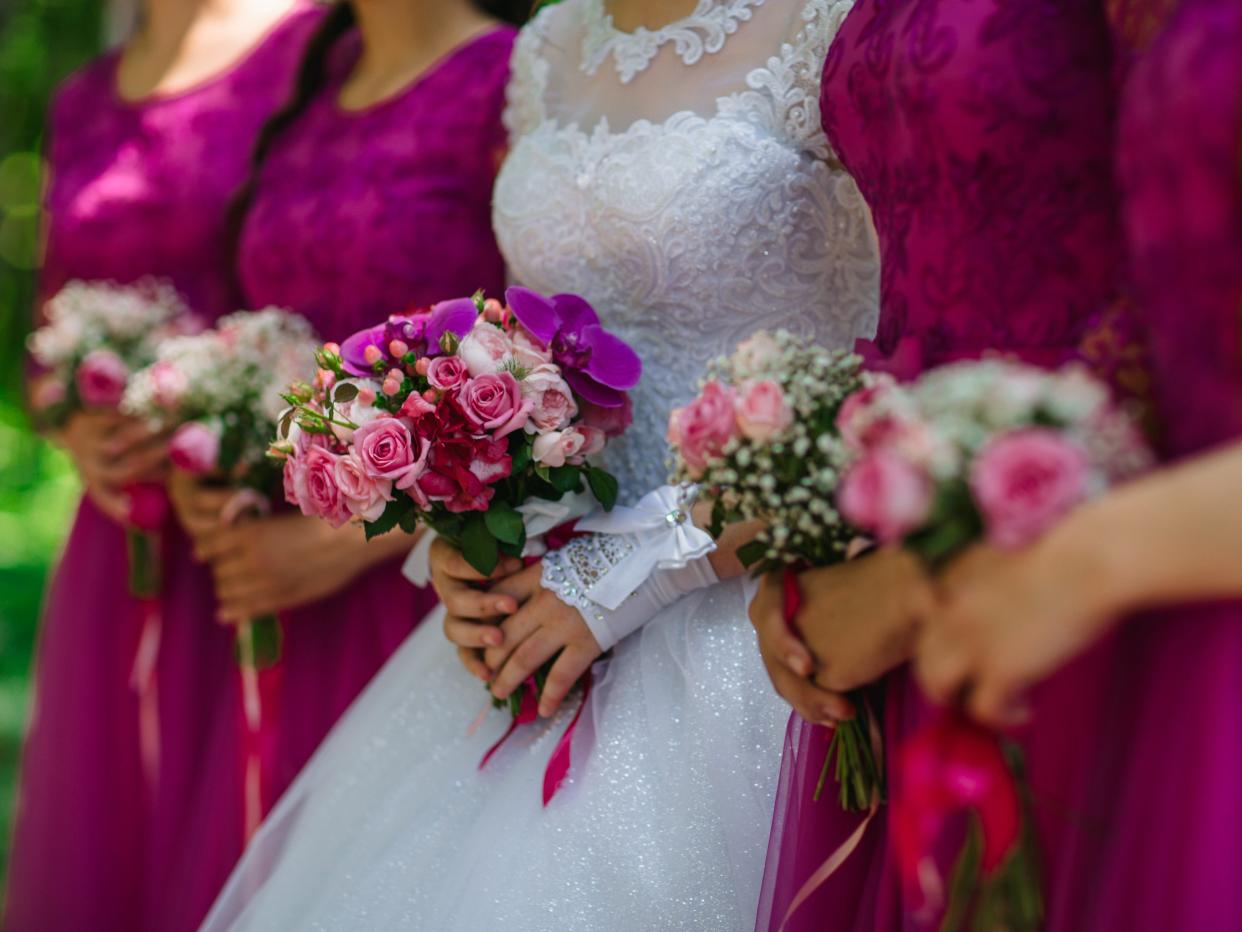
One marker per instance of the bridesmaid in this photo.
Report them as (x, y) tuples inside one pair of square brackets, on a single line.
[(1165, 549), (370, 194), (981, 135), (147, 145)]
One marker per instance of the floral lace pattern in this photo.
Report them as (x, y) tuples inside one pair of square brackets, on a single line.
[(691, 233), (704, 31)]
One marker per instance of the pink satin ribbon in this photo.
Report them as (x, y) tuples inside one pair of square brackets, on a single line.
[(144, 681)]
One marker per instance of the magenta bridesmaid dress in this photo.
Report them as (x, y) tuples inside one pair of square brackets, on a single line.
[(137, 189), (357, 215), (1169, 765), (981, 133)]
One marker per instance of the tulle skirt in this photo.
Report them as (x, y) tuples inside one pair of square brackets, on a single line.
[(661, 824), (101, 842)]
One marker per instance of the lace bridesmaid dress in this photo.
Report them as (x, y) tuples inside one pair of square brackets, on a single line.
[(357, 215), (981, 135), (679, 179), (1167, 770), (138, 189)]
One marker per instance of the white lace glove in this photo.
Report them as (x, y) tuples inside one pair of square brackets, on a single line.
[(636, 562)]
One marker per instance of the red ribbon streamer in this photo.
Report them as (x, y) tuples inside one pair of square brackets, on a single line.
[(145, 682), (558, 763), (528, 711)]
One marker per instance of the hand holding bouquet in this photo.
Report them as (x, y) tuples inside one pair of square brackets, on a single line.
[(978, 451), (761, 441)]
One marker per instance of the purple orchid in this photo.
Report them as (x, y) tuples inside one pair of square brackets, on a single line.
[(421, 332), (598, 366)]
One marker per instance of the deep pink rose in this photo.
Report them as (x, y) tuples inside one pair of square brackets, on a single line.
[(612, 421), (101, 379), (494, 403), (762, 412), (365, 496), (572, 446), (195, 447), (701, 429), (485, 349), (147, 505), (386, 448), (323, 496), (1026, 480), (447, 372), (552, 401), (886, 495), (863, 421)]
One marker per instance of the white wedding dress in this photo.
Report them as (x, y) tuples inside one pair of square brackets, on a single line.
[(680, 181)]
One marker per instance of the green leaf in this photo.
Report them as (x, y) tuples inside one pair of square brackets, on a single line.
[(345, 393), (505, 523), (566, 478), (543, 473), (391, 517), (603, 486), (520, 452), (752, 552), (478, 545), (409, 522)]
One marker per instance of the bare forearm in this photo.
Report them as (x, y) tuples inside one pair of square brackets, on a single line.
[(1171, 537)]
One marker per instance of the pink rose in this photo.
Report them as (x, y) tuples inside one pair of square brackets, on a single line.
[(485, 349), (701, 429), (612, 421), (886, 495), (168, 385), (758, 353), (147, 505), (1024, 481), (386, 449), (322, 496), (863, 421), (195, 447), (493, 402), (365, 496), (415, 406), (572, 446), (762, 412), (101, 379), (528, 352), (552, 400), (447, 372), (294, 474)]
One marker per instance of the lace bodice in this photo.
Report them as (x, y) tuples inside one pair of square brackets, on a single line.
[(680, 181)]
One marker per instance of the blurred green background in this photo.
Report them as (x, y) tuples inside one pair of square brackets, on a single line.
[(40, 42)]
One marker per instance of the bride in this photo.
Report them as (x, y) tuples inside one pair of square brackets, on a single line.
[(675, 174)]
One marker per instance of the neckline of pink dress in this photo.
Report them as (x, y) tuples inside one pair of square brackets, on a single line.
[(420, 79), (159, 98)]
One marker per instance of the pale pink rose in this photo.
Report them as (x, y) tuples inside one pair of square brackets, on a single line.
[(757, 353), (528, 352), (485, 350), (552, 400), (572, 446), (365, 496), (101, 379), (195, 447), (360, 411), (1025, 481), (323, 497), (593, 440), (863, 420), (168, 384), (386, 448), (493, 403), (294, 474), (886, 495), (612, 421), (701, 429), (447, 372), (763, 414)]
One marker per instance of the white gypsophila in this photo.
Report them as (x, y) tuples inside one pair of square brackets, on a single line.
[(84, 316)]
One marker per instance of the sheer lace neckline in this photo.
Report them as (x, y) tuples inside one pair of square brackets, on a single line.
[(704, 31)]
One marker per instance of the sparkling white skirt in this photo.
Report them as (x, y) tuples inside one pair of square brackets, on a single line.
[(662, 824)]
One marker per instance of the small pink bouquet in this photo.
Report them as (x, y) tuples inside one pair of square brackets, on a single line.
[(96, 336), (976, 451), (221, 391), (456, 417), (760, 441)]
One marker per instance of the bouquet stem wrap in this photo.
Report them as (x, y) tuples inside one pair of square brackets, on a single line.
[(144, 543)]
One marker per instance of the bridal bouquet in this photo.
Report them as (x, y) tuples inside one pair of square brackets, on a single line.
[(456, 417), (222, 391), (761, 441), (96, 335), (976, 451)]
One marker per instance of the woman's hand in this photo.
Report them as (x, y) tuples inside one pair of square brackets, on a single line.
[(471, 612), (111, 451), (197, 505), (1006, 619), (543, 627), (269, 565), (857, 622)]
